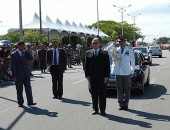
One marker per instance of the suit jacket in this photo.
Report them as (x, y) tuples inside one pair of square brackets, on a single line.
[(97, 67), (19, 64), (62, 59)]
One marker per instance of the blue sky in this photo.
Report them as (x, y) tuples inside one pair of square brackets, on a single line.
[(154, 20)]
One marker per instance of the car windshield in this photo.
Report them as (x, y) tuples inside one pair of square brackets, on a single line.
[(143, 50), (154, 47)]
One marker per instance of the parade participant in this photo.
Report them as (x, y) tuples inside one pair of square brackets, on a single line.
[(124, 61), (56, 59), (21, 73), (97, 71)]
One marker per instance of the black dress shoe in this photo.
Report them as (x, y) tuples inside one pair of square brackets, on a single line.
[(121, 108), (55, 97), (60, 97), (126, 108), (31, 104), (20, 105), (95, 112), (103, 113)]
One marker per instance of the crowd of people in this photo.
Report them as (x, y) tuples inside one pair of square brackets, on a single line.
[(75, 56), (24, 57)]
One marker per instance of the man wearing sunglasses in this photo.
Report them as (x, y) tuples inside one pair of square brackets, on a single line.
[(124, 61), (97, 71)]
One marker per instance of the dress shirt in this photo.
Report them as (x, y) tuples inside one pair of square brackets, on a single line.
[(57, 53)]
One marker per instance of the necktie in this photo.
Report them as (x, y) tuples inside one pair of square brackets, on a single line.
[(55, 57), (122, 50), (95, 53)]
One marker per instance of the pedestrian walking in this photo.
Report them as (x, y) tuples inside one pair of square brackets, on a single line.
[(21, 73), (97, 72), (56, 59), (124, 61)]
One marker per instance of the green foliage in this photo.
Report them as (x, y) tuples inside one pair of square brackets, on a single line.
[(163, 40), (114, 29), (13, 37), (32, 36)]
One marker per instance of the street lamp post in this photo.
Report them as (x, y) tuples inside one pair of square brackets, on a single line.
[(122, 10), (134, 18), (20, 20), (40, 21), (97, 18)]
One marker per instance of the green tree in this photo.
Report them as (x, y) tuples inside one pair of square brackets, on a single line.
[(13, 37)]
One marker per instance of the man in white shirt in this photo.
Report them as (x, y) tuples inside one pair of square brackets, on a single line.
[(124, 67)]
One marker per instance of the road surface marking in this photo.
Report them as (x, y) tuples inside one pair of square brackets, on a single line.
[(78, 81)]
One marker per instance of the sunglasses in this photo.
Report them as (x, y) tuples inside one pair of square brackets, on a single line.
[(94, 43)]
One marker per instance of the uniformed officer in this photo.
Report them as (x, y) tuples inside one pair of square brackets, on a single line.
[(124, 60)]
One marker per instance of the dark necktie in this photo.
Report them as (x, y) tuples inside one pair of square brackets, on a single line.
[(122, 50), (95, 53), (55, 57)]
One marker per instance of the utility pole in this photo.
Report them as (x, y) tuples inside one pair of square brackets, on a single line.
[(122, 10), (40, 21), (20, 20), (134, 18)]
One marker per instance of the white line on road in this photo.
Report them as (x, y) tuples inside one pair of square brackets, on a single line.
[(78, 81)]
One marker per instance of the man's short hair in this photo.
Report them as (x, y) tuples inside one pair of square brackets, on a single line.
[(21, 43), (96, 40), (121, 38)]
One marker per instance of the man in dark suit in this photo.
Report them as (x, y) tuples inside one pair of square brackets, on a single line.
[(21, 73), (56, 59), (97, 72)]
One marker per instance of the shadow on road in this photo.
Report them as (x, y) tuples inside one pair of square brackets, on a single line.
[(129, 121), (31, 110), (6, 84), (154, 64), (72, 101), (151, 116), (152, 92)]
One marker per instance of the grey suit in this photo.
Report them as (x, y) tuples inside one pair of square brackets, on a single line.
[(21, 71)]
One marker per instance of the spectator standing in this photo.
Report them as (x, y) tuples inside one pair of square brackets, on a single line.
[(42, 56)]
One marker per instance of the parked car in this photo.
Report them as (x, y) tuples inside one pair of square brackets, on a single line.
[(147, 54), (156, 51), (139, 79)]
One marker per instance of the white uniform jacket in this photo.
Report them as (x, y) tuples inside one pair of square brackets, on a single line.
[(124, 64)]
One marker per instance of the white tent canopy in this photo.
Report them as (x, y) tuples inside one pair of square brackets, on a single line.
[(60, 29)]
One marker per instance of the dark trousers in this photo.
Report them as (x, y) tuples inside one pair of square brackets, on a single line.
[(19, 87), (123, 89), (57, 81), (98, 93)]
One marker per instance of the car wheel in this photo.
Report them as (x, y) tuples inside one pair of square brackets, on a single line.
[(142, 88), (160, 56)]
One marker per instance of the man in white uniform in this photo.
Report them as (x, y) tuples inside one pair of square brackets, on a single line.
[(124, 60)]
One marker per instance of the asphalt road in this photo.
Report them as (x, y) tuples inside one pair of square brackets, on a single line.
[(73, 112)]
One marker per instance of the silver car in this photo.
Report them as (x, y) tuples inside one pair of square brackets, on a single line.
[(156, 51), (147, 54)]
